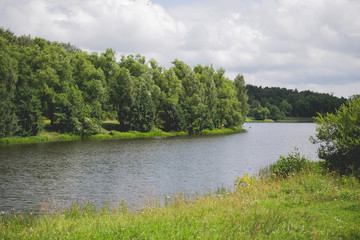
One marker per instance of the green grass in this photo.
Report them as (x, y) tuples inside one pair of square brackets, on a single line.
[(286, 120), (25, 140), (306, 205), (296, 120), (108, 133), (222, 131), (43, 137), (253, 120)]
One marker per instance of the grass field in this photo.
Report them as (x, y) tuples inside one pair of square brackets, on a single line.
[(306, 205)]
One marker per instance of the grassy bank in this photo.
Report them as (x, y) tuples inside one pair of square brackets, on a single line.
[(286, 120), (296, 120), (113, 134), (43, 137), (307, 205), (259, 121)]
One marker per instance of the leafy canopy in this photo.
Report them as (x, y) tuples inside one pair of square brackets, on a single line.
[(339, 137)]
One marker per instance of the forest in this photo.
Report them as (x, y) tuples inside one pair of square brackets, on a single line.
[(75, 90), (277, 103)]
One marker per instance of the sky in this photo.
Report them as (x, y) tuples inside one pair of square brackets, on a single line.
[(303, 44)]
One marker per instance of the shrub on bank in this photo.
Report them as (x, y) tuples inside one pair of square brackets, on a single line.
[(290, 164), (339, 138)]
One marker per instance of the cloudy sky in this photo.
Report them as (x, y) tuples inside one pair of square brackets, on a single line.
[(303, 44)]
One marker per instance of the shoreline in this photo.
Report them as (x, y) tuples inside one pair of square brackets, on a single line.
[(286, 120), (305, 205), (47, 137)]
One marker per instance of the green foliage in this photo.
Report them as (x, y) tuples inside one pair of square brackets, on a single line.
[(286, 108), (8, 79), (290, 103), (143, 111), (246, 183), (28, 111), (289, 165), (259, 112), (242, 95), (339, 137), (75, 91), (274, 112), (171, 117)]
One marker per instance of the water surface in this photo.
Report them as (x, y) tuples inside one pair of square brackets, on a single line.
[(111, 170)]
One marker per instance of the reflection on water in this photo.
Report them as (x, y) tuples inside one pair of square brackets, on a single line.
[(113, 170)]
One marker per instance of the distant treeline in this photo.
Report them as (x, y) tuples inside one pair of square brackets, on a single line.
[(76, 91), (278, 103)]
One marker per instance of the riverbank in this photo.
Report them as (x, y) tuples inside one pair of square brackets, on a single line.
[(307, 205), (106, 134), (286, 120)]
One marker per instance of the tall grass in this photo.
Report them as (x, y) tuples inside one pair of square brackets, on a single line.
[(222, 131), (43, 137), (25, 140), (297, 120)]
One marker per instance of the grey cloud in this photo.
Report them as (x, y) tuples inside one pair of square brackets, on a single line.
[(305, 43), (196, 39)]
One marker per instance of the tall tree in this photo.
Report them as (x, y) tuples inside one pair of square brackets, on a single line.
[(28, 101), (8, 79), (121, 94), (142, 114), (205, 76), (242, 96), (170, 116), (193, 98), (229, 107)]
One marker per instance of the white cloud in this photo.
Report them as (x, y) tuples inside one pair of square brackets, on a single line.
[(287, 43)]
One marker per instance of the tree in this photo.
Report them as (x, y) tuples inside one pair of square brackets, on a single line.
[(8, 79), (294, 103), (259, 112), (172, 116), (242, 95), (286, 108), (339, 137), (136, 65), (91, 82), (27, 100), (192, 99), (142, 113), (229, 107), (205, 76), (275, 113), (121, 94), (76, 91), (169, 113), (28, 111)]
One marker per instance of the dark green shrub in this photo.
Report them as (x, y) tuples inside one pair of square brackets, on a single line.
[(339, 138), (287, 165)]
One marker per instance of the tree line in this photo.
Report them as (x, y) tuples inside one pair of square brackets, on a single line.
[(277, 103), (77, 90)]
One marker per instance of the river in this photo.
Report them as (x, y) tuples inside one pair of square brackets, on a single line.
[(61, 173)]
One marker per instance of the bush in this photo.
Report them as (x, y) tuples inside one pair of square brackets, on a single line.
[(246, 183), (339, 138), (287, 165)]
